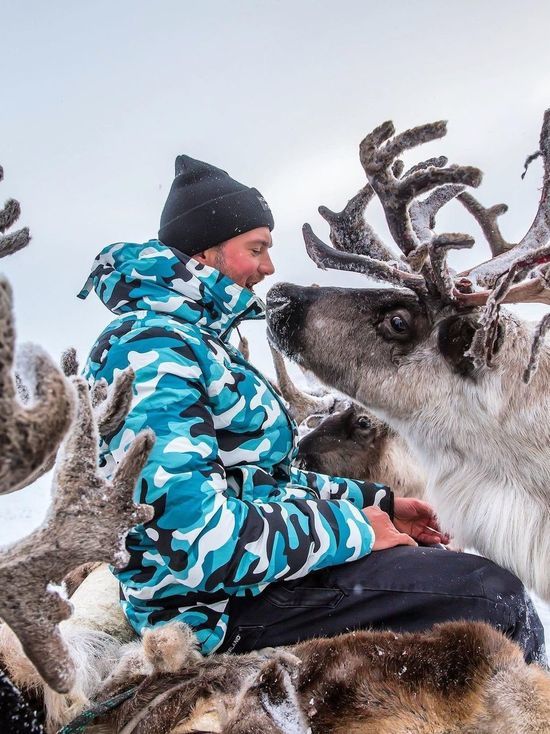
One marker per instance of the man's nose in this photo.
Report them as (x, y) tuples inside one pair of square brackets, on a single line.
[(266, 266)]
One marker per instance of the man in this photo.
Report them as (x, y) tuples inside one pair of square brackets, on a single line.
[(245, 548)]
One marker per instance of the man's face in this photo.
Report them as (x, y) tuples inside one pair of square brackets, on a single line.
[(245, 258)]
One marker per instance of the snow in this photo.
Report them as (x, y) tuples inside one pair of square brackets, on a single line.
[(23, 511)]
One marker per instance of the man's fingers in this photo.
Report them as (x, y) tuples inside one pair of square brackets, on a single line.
[(406, 539), (429, 538)]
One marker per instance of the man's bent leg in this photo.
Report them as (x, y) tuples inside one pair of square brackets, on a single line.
[(404, 589)]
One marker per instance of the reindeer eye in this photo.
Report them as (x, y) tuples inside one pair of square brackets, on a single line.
[(363, 422), (399, 324)]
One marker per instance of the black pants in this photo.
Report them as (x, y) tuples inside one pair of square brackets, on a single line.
[(404, 589)]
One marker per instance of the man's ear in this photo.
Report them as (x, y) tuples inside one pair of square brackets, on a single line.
[(454, 338)]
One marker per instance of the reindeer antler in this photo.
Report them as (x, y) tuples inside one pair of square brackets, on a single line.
[(8, 216), (517, 273), (88, 521), (29, 436), (301, 404), (89, 516), (423, 268), (538, 234), (377, 153), (349, 232), (487, 220)]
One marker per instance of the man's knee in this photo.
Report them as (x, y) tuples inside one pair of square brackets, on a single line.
[(507, 593)]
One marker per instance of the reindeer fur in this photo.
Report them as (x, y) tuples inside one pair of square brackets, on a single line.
[(460, 678)]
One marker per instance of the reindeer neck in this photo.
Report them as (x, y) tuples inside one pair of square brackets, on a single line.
[(497, 420), (398, 469)]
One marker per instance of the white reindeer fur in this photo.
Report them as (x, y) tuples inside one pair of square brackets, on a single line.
[(485, 445), (96, 606), (400, 470)]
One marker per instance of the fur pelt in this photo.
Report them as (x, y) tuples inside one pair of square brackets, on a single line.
[(460, 678)]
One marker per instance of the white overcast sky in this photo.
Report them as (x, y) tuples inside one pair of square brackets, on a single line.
[(98, 99)]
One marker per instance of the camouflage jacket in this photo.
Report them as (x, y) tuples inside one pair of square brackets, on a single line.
[(231, 514)]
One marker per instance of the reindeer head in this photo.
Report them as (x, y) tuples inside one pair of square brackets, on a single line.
[(433, 333), (350, 438)]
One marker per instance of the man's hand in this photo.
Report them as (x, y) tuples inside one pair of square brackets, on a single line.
[(417, 519), (386, 535)]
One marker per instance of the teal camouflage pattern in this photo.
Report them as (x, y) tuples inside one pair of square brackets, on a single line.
[(231, 515)]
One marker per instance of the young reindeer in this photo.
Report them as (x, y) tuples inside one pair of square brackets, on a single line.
[(340, 438), (353, 442), (436, 360)]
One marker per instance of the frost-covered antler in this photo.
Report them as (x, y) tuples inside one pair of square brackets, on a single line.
[(29, 435), (110, 404), (349, 232), (89, 516), (517, 273), (422, 266), (487, 220), (88, 521), (301, 404), (378, 152), (244, 347), (538, 234), (8, 216)]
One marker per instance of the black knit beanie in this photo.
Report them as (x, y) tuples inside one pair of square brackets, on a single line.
[(206, 206)]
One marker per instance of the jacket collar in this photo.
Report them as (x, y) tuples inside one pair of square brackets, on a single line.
[(153, 277)]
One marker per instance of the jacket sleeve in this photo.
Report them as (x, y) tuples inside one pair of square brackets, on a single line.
[(208, 536), (362, 494)]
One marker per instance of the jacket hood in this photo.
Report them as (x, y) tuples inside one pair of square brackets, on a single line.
[(153, 277)]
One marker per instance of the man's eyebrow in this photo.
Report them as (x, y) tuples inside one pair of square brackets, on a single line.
[(265, 243)]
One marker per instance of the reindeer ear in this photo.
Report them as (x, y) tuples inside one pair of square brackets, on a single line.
[(454, 339)]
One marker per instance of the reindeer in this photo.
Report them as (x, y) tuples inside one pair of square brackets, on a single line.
[(362, 682), (435, 357), (459, 678), (356, 444)]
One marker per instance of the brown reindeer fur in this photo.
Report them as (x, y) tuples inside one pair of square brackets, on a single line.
[(459, 678), (171, 647)]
